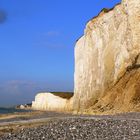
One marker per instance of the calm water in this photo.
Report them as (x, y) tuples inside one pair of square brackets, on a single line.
[(11, 110)]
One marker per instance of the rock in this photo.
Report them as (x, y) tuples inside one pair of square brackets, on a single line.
[(51, 102), (22, 107), (25, 106), (108, 51)]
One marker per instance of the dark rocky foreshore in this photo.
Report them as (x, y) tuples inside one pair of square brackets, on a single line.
[(119, 127)]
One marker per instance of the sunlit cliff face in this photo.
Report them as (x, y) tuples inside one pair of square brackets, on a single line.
[(106, 57), (109, 47), (48, 101)]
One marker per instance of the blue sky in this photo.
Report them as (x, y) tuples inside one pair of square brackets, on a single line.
[(37, 41)]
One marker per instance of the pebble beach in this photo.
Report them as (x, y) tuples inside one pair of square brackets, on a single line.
[(76, 127)]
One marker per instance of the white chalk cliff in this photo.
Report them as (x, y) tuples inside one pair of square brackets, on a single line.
[(49, 101), (109, 48), (107, 56)]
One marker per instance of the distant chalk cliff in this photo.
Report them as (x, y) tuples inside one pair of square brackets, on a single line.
[(52, 101)]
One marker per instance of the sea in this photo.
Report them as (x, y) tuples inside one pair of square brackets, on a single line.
[(11, 110)]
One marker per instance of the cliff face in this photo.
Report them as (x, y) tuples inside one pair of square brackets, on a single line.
[(51, 102), (107, 65), (106, 54)]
